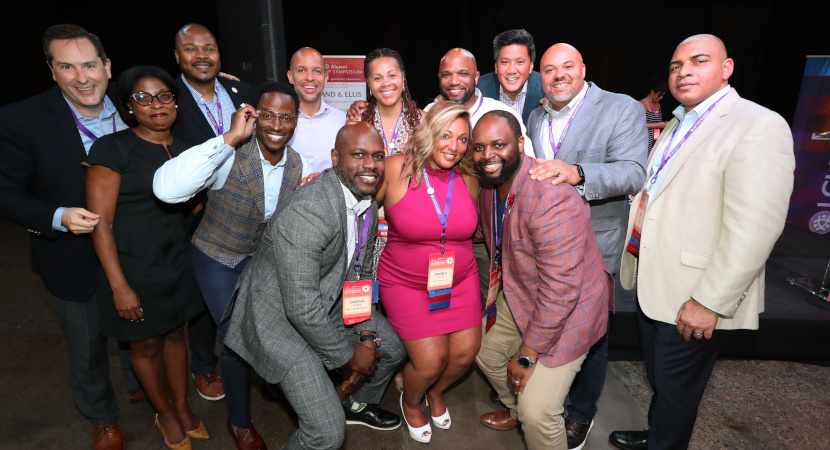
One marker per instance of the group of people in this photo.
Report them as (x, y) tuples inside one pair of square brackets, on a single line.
[(166, 209)]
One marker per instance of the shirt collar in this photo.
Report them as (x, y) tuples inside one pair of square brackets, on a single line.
[(324, 109), (106, 112), (358, 207), (217, 90), (524, 89), (266, 163), (567, 109), (680, 111)]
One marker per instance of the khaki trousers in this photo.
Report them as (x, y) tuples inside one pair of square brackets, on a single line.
[(540, 406)]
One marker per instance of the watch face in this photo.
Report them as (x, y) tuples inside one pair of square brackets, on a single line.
[(524, 362)]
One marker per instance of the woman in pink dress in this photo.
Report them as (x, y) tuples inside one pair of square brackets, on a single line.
[(430, 199)]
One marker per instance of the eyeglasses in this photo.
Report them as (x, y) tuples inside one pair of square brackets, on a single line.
[(145, 99), (268, 116)]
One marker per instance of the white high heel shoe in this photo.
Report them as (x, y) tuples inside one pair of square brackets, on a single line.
[(421, 434), (443, 421)]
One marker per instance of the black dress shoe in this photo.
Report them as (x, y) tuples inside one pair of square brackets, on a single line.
[(372, 417), (630, 440)]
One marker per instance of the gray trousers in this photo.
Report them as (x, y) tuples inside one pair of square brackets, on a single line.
[(313, 397), (88, 361)]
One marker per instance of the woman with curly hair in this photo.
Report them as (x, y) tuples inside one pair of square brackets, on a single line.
[(430, 199), (391, 109)]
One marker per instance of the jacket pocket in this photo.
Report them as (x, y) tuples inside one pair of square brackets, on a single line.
[(695, 259)]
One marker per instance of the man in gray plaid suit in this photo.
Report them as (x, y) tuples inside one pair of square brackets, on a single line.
[(286, 317)]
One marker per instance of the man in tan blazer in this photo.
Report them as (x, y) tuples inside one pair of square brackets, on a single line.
[(718, 189)]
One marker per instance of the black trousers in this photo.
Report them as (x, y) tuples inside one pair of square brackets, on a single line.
[(678, 372)]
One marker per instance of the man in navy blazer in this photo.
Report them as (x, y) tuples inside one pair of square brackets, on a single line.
[(514, 82), (44, 142), (206, 104)]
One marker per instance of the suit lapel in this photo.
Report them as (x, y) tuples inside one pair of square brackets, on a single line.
[(232, 91), (192, 112), (710, 124), (580, 122), (64, 127), (251, 168)]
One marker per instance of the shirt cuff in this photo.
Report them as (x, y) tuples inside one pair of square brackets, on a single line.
[(214, 146), (56, 220)]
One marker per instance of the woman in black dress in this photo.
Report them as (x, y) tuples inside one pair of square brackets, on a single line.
[(149, 291)]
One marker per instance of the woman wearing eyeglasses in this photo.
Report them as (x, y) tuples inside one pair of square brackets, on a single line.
[(150, 290)]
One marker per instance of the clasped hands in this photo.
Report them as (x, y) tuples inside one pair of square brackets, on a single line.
[(364, 361)]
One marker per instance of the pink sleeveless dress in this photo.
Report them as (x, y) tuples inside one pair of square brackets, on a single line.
[(414, 233)]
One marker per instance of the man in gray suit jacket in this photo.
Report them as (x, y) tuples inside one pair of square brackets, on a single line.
[(286, 317), (597, 142)]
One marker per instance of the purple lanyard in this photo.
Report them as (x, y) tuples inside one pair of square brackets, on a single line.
[(220, 127), (666, 155), (557, 145), (480, 102), (394, 134), (442, 216), (358, 240), (653, 109), (84, 129)]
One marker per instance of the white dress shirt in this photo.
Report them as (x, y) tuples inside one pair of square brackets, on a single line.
[(207, 166), (314, 136), (354, 208), (560, 119)]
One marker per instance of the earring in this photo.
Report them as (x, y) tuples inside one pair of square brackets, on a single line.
[(131, 111), (177, 106)]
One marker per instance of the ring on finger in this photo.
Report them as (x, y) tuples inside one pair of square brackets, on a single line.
[(557, 171)]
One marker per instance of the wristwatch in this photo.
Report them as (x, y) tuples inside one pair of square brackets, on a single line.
[(371, 337), (581, 175), (524, 361)]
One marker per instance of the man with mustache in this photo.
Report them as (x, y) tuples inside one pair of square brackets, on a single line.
[(697, 245), (514, 81), (552, 300), (594, 140), (205, 107), (244, 186), (290, 316), (318, 122)]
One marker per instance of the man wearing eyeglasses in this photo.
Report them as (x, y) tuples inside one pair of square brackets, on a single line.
[(244, 186), (205, 105)]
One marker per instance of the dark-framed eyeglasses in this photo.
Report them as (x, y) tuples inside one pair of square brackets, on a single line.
[(268, 116), (145, 99)]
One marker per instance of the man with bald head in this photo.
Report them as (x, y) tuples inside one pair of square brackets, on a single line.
[(697, 246), (594, 140), (318, 122), (289, 318)]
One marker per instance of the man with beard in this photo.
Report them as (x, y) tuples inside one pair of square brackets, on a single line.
[(594, 140), (290, 316), (244, 188), (205, 107), (550, 287), (318, 122), (514, 81)]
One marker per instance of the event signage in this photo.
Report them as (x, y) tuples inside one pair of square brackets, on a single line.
[(810, 202), (346, 83)]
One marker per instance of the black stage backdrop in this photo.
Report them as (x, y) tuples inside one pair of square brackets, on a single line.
[(623, 43)]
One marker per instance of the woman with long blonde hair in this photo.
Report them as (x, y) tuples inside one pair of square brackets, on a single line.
[(428, 277)]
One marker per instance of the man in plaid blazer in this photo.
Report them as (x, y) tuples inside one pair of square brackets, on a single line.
[(555, 289), (286, 316)]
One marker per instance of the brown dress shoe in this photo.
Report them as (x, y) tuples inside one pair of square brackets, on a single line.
[(139, 396), (107, 437), (246, 438), (499, 420), (577, 433), (209, 386)]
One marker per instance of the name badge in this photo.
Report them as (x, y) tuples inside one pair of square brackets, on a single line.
[(357, 301), (439, 280), (656, 134), (492, 294), (383, 228), (633, 245)]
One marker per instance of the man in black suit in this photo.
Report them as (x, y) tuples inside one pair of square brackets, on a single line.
[(44, 143), (205, 107)]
